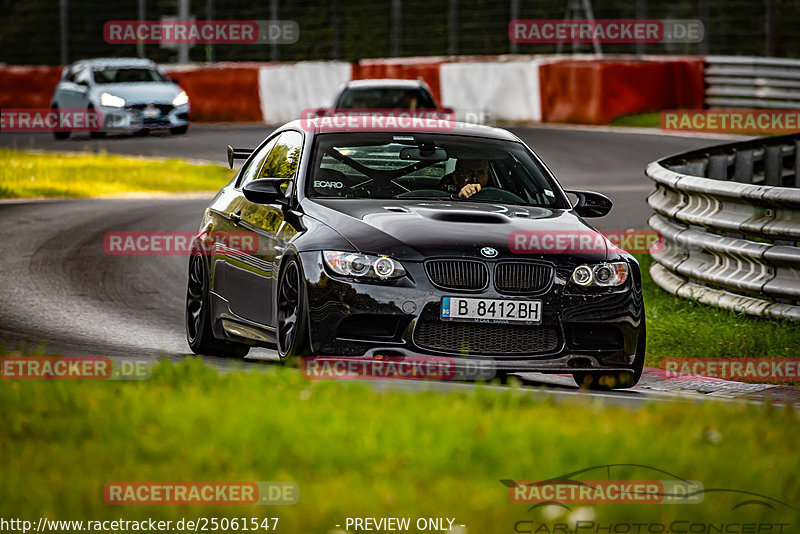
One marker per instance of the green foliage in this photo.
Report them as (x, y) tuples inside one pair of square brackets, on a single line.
[(24, 174), (355, 451)]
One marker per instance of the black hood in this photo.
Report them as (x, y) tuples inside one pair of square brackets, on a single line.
[(419, 229)]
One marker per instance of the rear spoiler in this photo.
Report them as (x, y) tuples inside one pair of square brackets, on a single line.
[(237, 153)]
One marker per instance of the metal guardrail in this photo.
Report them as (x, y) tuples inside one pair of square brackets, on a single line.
[(729, 217), (752, 82)]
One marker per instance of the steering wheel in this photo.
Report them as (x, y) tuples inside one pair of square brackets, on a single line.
[(495, 193)]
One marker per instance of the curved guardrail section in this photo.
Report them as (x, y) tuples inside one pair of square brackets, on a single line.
[(729, 219)]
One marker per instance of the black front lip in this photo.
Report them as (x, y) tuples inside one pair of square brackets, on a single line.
[(333, 299)]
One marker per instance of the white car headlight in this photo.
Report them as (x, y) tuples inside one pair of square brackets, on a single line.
[(180, 99), (602, 275), (111, 101), (363, 265)]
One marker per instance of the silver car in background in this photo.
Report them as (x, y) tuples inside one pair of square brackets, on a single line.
[(129, 94)]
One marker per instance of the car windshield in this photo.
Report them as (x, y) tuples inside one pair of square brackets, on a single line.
[(429, 166), (386, 98), (127, 75)]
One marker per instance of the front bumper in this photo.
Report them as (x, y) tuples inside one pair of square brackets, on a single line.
[(579, 331), (144, 117)]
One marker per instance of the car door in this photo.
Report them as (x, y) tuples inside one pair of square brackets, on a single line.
[(80, 99), (67, 90), (251, 276)]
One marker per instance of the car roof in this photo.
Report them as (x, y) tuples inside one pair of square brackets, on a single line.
[(117, 62), (385, 82), (459, 128)]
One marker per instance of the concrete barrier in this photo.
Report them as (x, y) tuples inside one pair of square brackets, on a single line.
[(578, 89), (506, 91), (600, 90), (286, 90), (28, 87), (221, 93)]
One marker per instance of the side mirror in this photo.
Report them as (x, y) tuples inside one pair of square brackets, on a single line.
[(447, 110), (266, 191), (591, 204), (321, 112)]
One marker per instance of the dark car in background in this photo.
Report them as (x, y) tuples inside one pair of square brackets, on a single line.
[(129, 94), (383, 94), (365, 248)]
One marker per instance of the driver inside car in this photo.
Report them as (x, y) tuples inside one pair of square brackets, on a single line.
[(468, 177)]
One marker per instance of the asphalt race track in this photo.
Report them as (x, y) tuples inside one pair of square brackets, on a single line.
[(63, 293)]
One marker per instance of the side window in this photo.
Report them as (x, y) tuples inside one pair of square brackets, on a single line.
[(82, 75), (284, 158), (70, 77), (252, 169)]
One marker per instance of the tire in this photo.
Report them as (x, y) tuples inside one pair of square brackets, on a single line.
[(291, 331), (198, 315), (179, 130), (96, 135), (60, 135), (620, 379)]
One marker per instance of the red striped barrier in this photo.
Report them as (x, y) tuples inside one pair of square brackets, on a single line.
[(593, 91), (225, 93), (598, 91), (28, 87)]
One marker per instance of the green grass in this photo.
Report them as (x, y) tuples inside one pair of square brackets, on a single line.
[(354, 451), (642, 120), (681, 328), (25, 174)]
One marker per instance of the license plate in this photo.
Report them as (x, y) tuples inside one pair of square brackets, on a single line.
[(491, 310)]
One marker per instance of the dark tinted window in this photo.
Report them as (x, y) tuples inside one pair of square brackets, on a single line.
[(251, 171), (386, 98), (284, 157), (432, 166), (126, 75)]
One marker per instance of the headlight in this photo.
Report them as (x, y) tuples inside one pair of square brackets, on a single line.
[(109, 100), (602, 275), (180, 99), (363, 265)]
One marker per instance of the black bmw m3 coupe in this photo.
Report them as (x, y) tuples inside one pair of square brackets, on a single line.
[(453, 243)]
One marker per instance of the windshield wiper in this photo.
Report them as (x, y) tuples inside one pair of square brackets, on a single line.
[(421, 197), (488, 201)]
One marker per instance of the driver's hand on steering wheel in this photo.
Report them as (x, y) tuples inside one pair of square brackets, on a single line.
[(469, 190)]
